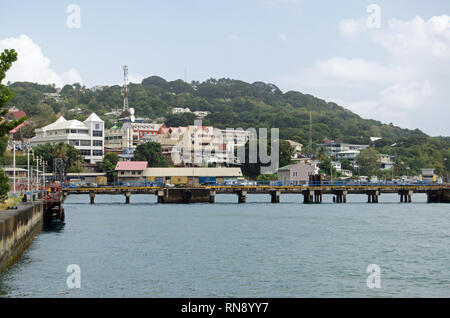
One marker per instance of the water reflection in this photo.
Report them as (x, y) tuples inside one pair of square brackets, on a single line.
[(53, 226)]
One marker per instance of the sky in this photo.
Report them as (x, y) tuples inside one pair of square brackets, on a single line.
[(384, 60)]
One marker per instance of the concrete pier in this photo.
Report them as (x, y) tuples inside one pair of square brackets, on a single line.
[(242, 196), (405, 196), (185, 195), (127, 197), (372, 196), (275, 196), (308, 196), (340, 196), (17, 230)]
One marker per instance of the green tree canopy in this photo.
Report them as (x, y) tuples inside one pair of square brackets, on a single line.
[(152, 153), (253, 170), (70, 155), (367, 162)]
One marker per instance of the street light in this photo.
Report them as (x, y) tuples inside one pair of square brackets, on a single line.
[(28, 167), (14, 167)]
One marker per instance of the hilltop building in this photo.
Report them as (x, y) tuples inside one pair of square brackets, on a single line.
[(385, 162), (86, 136), (340, 150)]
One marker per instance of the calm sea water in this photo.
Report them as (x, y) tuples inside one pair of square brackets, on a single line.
[(257, 249)]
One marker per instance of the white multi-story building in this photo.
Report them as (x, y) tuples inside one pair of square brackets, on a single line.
[(180, 110), (130, 135), (86, 136), (340, 150)]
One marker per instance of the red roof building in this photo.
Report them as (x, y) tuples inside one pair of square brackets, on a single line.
[(18, 114), (131, 166), (131, 170)]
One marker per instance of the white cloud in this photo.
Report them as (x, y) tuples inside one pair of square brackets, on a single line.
[(417, 38), (351, 27), (407, 87), (357, 70), (33, 66), (135, 78), (71, 76)]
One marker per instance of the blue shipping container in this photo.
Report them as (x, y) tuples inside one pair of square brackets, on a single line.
[(206, 180)]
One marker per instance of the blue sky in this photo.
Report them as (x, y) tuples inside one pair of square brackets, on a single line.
[(396, 73)]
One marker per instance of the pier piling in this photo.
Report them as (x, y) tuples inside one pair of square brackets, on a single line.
[(127, 197), (92, 197)]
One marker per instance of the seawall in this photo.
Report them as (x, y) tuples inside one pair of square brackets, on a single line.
[(17, 230)]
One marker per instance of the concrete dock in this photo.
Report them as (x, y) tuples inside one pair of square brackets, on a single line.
[(17, 230)]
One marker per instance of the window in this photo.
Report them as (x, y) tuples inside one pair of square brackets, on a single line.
[(73, 131), (97, 143), (85, 152), (85, 142), (121, 172), (133, 172), (97, 126), (97, 133), (97, 152), (74, 142)]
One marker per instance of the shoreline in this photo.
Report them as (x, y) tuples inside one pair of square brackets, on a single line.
[(18, 227)]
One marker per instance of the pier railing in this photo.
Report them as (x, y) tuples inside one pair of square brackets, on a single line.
[(334, 184)]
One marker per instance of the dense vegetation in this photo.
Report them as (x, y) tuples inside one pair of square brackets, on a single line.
[(234, 103), (7, 57)]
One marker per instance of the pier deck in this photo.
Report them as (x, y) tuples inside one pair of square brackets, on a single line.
[(311, 193)]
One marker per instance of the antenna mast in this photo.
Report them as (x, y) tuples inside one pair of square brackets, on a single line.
[(310, 126), (125, 92)]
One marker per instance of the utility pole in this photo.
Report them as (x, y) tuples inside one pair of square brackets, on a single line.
[(125, 92), (37, 173), (14, 167), (31, 178), (310, 127), (43, 175), (28, 169)]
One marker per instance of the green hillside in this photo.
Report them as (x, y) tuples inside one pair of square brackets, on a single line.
[(234, 103)]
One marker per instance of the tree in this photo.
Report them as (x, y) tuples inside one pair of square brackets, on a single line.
[(152, 153), (267, 177), (70, 155), (346, 165), (286, 153), (367, 162), (253, 170), (185, 119), (112, 157), (326, 166), (26, 131), (4, 186), (6, 59)]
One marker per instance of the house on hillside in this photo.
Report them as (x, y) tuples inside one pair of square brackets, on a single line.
[(297, 173)]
